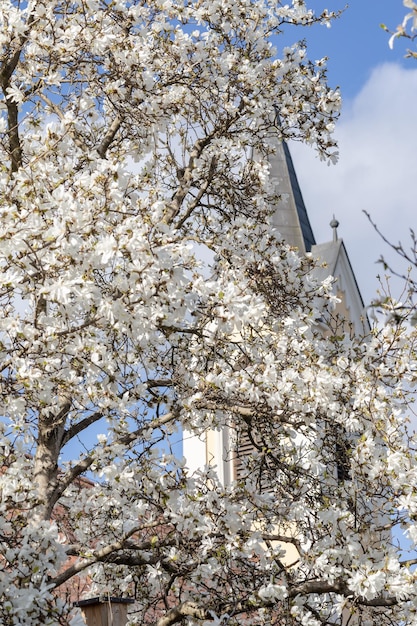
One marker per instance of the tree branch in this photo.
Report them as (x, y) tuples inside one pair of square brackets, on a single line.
[(125, 440), (186, 179), (13, 133), (97, 555), (109, 136), (185, 609), (75, 429), (192, 206), (12, 108)]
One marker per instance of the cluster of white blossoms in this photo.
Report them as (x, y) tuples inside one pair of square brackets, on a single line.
[(128, 137)]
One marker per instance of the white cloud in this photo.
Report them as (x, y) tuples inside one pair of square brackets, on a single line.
[(377, 172)]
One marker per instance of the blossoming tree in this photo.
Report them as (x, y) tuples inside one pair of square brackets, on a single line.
[(142, 292)]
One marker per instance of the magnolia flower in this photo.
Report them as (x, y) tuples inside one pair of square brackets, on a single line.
[(410, 4), (401, 29), (272, 592)]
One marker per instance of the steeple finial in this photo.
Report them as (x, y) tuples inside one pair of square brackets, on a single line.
[(334, 224)]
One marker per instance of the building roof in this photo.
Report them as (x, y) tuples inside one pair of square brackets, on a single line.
[(291, 218), (327, 254), (334, 261)]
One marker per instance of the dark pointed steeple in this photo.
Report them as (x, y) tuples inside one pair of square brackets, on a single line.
[(291, 217)]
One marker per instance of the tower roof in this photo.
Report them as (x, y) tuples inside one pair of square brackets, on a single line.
[(290, 218)]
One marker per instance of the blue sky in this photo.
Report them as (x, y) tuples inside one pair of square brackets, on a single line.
[(356, 43), (377, 136)]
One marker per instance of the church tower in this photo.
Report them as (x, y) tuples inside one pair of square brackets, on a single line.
[(292, 222)]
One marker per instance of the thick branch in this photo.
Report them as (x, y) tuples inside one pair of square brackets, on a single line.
[(125, 440), (192, 206), (110, 554), (109, 136), (77, 428), (243, 411), (13, 134), (51, 430), (186, 179), (185, 609), (12, 107), (97, 555), (341, 588)]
